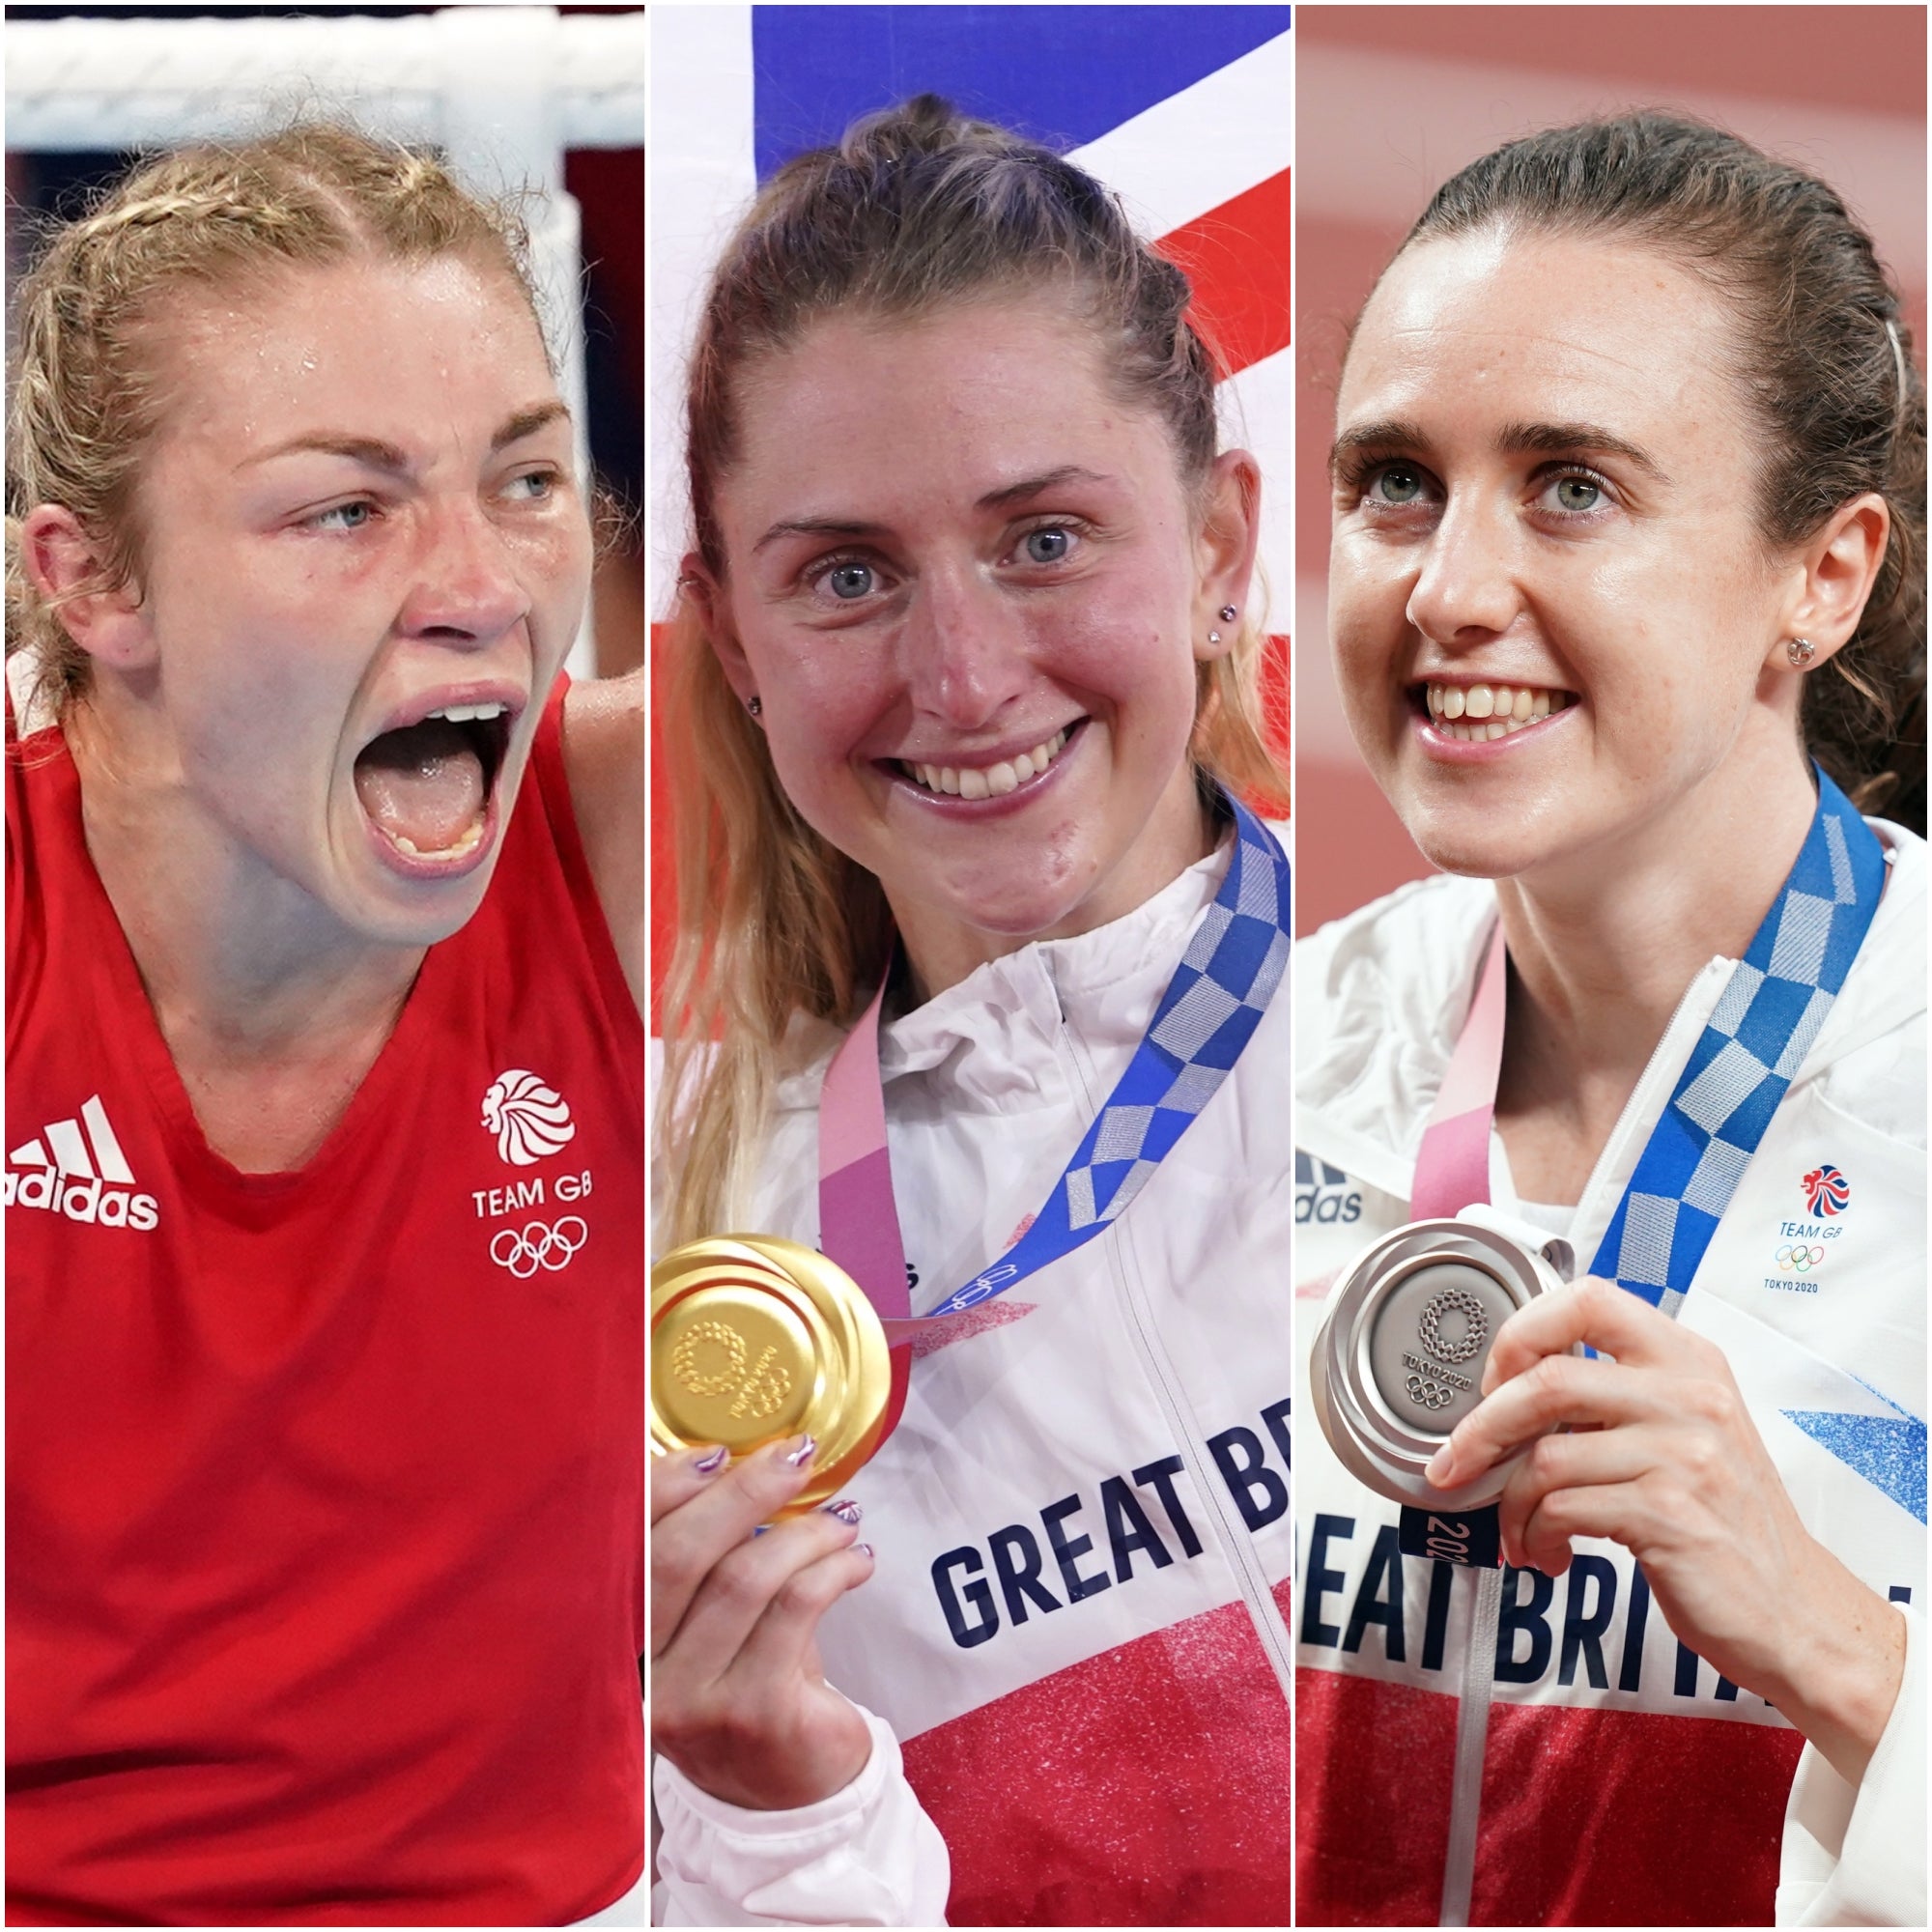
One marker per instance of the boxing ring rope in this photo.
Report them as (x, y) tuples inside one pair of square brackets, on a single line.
[(501, 91)]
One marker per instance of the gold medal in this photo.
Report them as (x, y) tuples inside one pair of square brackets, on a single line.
[(754, 1339)]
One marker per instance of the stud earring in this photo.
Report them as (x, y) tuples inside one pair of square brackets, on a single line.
[(1801, 651), (1229, 614), (1213, 636), (755, 706)]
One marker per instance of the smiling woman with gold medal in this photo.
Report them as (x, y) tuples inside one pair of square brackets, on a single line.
[(963, 678)]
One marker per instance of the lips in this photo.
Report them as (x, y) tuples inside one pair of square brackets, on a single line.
[(425, 783)]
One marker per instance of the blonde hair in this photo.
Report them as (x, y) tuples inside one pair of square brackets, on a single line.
[(86, 393), (914, 210)]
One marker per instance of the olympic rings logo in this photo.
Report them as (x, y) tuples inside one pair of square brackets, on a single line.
[(1426, 1392), (1798, 1256), (539, 1246)]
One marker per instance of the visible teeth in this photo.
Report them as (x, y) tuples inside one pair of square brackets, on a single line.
[(463, 714), (472, 838), (990, 780), (1489, 711)]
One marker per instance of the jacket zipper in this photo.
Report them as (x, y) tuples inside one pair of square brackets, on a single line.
[(1693, 1012), (1263, 1611)]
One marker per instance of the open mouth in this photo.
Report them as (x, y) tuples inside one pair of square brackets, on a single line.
[(1472, 713), (427, 786), (994, 780)]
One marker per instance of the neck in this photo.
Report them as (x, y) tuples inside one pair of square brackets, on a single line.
[(943, 948), (257, 991), (1603, 946)]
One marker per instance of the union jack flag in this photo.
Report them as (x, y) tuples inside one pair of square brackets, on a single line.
[(1826, 1190)]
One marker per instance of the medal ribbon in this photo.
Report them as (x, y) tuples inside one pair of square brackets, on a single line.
[(1205, 1017), (1741, 1068)]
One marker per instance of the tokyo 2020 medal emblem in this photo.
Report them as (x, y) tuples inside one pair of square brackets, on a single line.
[(755, 1338)]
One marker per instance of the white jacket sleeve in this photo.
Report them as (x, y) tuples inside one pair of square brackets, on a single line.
[(1855, 1855), (866, 1856)]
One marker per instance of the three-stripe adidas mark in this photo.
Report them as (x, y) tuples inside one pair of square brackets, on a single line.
[(76, 1168)]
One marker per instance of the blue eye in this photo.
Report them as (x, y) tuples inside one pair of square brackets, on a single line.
[(538, 486), (1396, 484), (850, 581), (1048, 546), (344, 516)]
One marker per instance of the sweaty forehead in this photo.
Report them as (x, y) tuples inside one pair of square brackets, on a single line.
[(1585, 326), (357, 334)]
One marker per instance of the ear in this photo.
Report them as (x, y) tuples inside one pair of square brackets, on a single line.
[(65, 565), (706, 597), (1225, 549), (1831, 575)]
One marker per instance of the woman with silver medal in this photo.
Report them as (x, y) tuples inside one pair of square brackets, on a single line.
[(1629, 479), (961, 681)]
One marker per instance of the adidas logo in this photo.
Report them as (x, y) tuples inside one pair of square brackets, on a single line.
[(1323, 1193), (85, 1176)]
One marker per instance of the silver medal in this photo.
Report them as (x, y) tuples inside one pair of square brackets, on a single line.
[(1400, 1359)]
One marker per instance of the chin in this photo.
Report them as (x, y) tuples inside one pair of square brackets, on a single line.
[(1470, 846)]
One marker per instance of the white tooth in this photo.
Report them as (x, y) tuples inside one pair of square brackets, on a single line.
[(946, 779), (1023, 767), (1504, 697), (1431, 700), (1001, 779), (1497, 729), (1480, 702), (1059, 741), (1539, 708), (1453, 700), (973, 783), (1041, 755), (405, 843), (488, 710), (1525, 702)]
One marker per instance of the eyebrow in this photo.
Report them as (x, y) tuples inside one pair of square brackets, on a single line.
[(372, 453), (1002, 498), (1547, 439)]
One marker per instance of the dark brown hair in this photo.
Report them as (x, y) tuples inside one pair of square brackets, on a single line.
[(1821, 354)]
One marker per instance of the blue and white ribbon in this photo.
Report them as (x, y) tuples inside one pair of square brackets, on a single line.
[(1744, 1061), (1207, 1015)]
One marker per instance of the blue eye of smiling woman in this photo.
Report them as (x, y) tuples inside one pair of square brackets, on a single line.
[(850, 581), (1396, 483)]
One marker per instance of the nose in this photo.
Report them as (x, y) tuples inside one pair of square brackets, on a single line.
[(465, 589), (1466, 586), (963, 649)]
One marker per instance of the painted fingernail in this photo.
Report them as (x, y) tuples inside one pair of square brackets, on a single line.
[(845, 1510), (808, 1448), (712, 1461), (863, 1548)]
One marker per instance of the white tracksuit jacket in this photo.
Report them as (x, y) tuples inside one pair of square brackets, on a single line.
[(1624, 1783), (1076, 1632)]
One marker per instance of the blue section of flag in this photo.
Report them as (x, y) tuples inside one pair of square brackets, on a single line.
[(1889, 1451), (1062, 76)]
